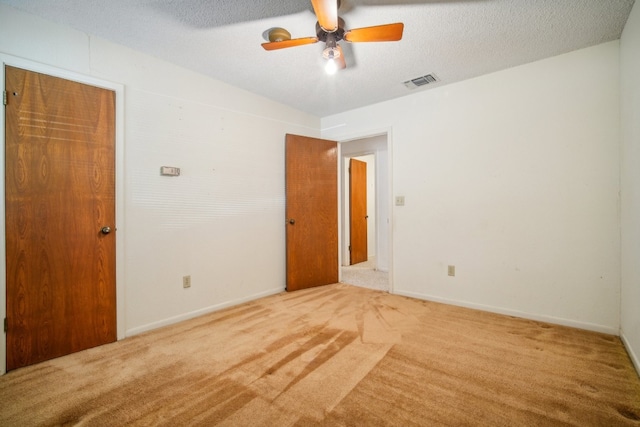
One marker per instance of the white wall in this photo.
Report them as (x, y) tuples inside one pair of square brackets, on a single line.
[(630, 102), (512, 177), (225, 213)]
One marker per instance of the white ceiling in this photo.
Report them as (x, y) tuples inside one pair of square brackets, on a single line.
[(455, 39)]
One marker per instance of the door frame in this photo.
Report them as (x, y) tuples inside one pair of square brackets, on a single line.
[(120, 195), (342, 179)]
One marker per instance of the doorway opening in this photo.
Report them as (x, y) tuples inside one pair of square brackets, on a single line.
[(372, 270)]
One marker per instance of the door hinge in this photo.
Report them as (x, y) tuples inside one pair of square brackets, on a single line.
[(4, 97), (6, 324), (349, 247)]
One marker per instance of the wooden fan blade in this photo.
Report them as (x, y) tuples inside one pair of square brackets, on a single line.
[(327, 14), (378, 33), (289, 43), (340, 62)]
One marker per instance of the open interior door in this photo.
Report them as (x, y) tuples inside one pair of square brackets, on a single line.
[(311, 212), (358, 211)]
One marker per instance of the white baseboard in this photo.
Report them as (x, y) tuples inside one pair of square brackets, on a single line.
[(632, 355), (200, 312), (509, 312)]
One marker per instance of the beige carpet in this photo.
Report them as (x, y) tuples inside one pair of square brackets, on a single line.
[(335, 355), (365, 275)]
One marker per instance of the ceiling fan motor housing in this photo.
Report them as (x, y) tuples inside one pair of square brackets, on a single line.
[(337, 35)]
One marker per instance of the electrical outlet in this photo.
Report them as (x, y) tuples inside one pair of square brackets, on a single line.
[(452, 270), (399, 200), (186, 281)]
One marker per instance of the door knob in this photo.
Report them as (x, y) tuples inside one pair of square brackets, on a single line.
[(105, 230), (292, 221)]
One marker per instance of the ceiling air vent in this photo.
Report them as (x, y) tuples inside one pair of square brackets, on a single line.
[(421, 81)]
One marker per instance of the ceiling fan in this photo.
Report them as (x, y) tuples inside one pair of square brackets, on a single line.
[(330, 30)]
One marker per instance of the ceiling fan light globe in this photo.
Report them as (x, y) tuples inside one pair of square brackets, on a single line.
[(331, 67)]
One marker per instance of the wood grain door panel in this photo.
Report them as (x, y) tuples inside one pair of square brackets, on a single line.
[(60, 192), (311, 211), (358, 211)]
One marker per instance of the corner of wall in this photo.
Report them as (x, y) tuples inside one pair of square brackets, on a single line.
[(630, 190), (632, 355)]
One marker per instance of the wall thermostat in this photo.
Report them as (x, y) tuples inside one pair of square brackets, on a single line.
[(169, 171)]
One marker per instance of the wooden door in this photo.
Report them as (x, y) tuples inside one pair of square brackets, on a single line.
[(60, 193), (311, 212), (358, 211)]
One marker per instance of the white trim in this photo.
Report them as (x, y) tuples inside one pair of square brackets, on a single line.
[(340, 209), (515, 313), (120, 196), (201, 312), (391, 207), (632, 355)]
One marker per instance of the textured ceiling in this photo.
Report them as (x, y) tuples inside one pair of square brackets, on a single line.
[(455, 39)]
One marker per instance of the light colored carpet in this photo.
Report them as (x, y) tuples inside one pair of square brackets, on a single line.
[(335, 355), (366, 275)]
